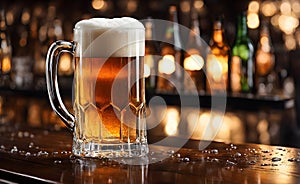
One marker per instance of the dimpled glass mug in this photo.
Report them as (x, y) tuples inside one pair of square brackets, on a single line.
[(108, 87)]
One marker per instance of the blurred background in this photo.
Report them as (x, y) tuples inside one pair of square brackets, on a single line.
[(29, 27)]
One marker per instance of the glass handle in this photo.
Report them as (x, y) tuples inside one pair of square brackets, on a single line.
[(52, 60)]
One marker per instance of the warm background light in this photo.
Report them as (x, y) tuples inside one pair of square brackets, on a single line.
[(268, 8), (6, 64), (253, 7), (214, 68), (288, 24), (289, 42), (99, 4), (65, 64), (198, 5), (149, 63), (253, 20), (193, 63), (185, 6), (167, 65), (285, 7), (296, 7), (172, 121)]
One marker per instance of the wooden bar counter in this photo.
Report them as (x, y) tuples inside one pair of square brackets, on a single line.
[(44, 156)]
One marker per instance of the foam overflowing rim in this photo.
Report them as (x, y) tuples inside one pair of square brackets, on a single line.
[(108, 24)]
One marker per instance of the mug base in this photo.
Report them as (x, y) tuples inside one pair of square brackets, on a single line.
[(95, 149)]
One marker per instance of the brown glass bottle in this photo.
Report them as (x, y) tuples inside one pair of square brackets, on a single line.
[(264, 63), (193, 62), (218, 59)]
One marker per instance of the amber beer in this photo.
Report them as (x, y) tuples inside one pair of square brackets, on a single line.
[(117, 88), (109, 90)]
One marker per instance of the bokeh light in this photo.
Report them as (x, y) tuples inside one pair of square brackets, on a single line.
[(268, 8), (253, 20), (253, 7)]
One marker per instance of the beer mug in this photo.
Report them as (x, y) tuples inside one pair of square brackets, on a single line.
[(108, 87)]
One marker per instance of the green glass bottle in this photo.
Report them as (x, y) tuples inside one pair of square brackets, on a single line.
[(242, 63)]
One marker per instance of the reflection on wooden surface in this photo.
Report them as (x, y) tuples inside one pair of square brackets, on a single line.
[(29, 155)]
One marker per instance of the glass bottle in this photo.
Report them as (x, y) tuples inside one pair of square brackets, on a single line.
[(264, 63), (151, 56), (193, 62), (169, 67), (5, 52), (22, 76), (218, 59), (242, 64)]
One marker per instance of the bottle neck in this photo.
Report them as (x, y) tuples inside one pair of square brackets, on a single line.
[(194, 37), (2, 20), (242, 27), (218, 33), (264, 43), (172, 33), (148, 30)]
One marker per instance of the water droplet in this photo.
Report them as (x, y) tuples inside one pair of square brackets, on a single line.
[(251, 162), (22, 152), (14, 149), (64, 152), (214, 160), (27, 154), (233, 146), (205, 151), (227, 168), (264, 164), (171, 152), (31, 144), (265, 151), (276, 159), (186, 159), (2, 147), (214, 151), (294, 159), (42, 153), (228, 162), (178, 155), (237, 154), (57, 161), (153, 158), (291, 159)]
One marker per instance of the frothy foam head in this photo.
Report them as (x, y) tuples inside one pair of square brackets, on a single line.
[(117, 37)]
